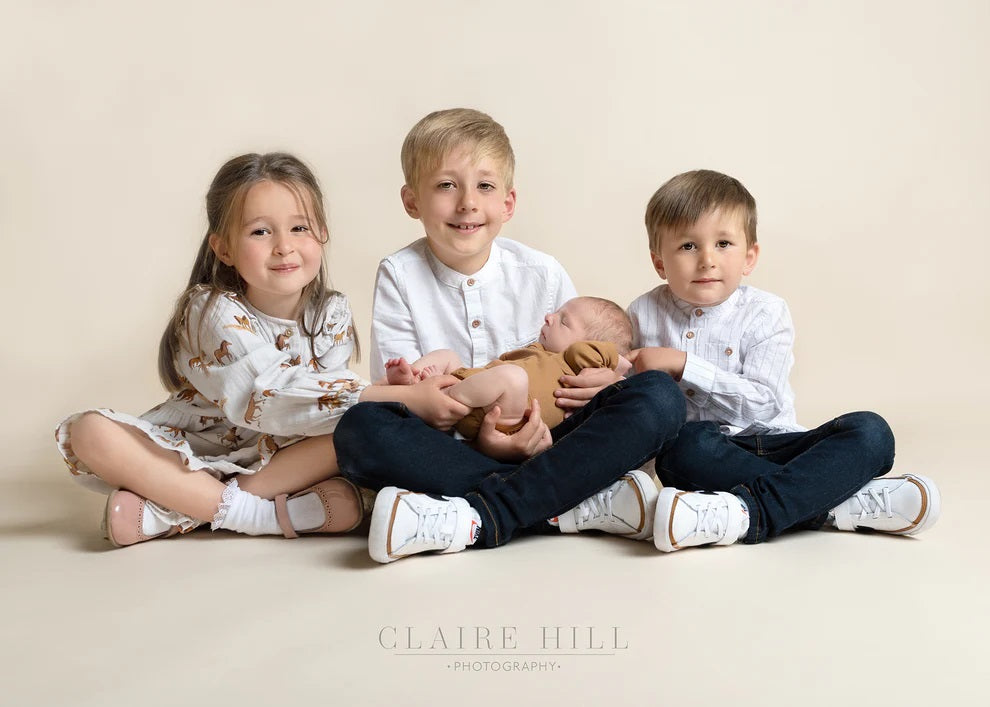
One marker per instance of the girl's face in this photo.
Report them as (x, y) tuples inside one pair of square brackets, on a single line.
[(275, 248)]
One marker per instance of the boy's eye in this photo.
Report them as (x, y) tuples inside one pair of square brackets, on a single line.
[(445, 185), (687, 246), (486, 186), (723, 244)]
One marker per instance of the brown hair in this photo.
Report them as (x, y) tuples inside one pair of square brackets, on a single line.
[(439, 133), (609, 323), (684, 199), (224, 203)]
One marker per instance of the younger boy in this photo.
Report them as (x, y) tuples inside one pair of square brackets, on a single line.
[(730, 348), (587, 332), (463, 289)]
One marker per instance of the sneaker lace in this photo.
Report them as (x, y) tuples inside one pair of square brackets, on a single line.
[(710, 520), (874, 502), (595, 507), (436, 524)]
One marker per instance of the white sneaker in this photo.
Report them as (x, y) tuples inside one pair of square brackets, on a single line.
[(904, 505), (624, 508), (404, 523), (689, 518)]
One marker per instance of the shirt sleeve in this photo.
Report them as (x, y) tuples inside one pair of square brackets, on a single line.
[(591, 354), (230, 361), (393, 333), (761, 391)]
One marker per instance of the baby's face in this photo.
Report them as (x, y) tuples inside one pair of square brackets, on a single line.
[(568, 325)]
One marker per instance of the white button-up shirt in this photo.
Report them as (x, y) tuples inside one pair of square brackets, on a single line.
[(739, 356), (422, 305)]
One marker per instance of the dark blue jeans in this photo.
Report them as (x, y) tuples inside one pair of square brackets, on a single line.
[(383, 444), (787, 480)]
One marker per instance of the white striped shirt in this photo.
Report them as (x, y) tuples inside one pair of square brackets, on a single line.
[(739, 356), (422, 305)]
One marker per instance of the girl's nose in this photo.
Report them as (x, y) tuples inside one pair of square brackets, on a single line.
[(282, 245)]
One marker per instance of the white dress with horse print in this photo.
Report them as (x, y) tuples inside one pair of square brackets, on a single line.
[(252, 384)]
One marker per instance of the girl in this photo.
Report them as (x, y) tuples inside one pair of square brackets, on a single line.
[(256, 357)]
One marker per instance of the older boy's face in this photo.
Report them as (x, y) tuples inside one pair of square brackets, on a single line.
[(462, 205), (705, 262), (568, 325)]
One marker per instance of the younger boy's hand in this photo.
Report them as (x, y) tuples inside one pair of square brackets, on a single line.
[(583, 387), (528, 441), (658, 358)]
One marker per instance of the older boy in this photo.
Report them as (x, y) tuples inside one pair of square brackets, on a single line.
[(730, 348), (461, 288)]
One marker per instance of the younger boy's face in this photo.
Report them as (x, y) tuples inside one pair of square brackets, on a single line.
[(568, 325), (705, 262), (462, 205)]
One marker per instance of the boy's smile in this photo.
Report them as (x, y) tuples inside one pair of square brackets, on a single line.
[(462, 205), (705, 262)]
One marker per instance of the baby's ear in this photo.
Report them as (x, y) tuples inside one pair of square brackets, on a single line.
[(219, 246), (658, 265)]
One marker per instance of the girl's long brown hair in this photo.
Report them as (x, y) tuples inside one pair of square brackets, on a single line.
[(224, 202)]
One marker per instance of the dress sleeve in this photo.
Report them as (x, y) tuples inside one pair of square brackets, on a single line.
[(393, 333), (591, 354), (230, 358), (761, 391)]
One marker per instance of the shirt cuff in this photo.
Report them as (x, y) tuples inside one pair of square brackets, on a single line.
[(698, 379)]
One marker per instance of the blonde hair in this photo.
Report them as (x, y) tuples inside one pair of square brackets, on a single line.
[(684, 199), (224, 204), (608, 322), (438, 134)]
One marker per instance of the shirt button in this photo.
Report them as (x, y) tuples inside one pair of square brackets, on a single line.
[(728, 352), (689, 392), (476, 323), (698, 312), (470, 282), (690, 335)]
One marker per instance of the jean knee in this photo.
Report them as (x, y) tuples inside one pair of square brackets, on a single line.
[(662, 404), (876, 435)]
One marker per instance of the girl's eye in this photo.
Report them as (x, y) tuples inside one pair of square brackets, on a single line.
[(300, 229), (260, 232)]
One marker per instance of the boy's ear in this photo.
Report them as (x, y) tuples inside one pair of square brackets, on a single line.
[(409, 200), (658, 265), (219, 247), (752, 255), (510, 205)]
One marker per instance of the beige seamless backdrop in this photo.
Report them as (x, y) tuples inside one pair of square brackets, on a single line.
[(860, 127)]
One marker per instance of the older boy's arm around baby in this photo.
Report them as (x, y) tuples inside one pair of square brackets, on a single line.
[(730, 348)]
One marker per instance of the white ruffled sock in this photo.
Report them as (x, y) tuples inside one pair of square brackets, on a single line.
[(243, 512)]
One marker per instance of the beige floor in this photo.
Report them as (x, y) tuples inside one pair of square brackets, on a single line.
[(811, 619)]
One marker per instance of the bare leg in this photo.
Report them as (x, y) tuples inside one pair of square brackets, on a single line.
[(505, 386), (294, 468), (124, 457), (399, 372)]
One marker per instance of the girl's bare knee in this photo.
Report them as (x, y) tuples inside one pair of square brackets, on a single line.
[(91, 434)]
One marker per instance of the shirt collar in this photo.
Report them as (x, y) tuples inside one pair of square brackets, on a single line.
[(455, 279), (688, 309)]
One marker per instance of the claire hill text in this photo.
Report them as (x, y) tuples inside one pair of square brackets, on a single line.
[(502, 638)]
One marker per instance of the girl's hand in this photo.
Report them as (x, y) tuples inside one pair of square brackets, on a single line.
[(530, 440), (427, 401), (583, 387)]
